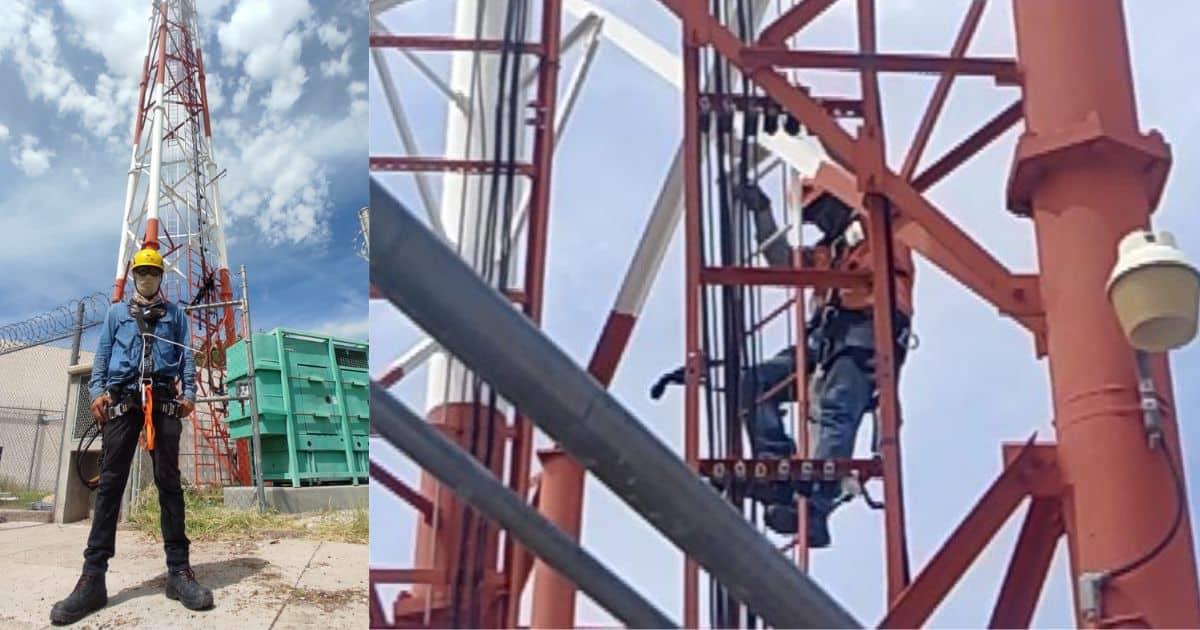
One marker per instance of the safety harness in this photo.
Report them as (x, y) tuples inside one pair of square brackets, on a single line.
[(147, 317), (149, 398)]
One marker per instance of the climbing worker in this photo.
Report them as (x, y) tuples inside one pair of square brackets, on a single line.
[(841, 350), (142, 362)]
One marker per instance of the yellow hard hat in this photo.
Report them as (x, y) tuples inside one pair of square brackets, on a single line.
[(147, 257)]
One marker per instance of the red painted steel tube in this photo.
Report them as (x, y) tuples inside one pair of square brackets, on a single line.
[(1031, 559), (942, 90), (944, 569), (785, 277), (793, 20), (1004, 70), (402, 490), (555, 607), (448, 44), (562, 489), (203, 93), (437, 546), (973, 144), (895, 538), (1075, 59)]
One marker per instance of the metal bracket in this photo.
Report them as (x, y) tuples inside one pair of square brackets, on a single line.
[(1091, 584)]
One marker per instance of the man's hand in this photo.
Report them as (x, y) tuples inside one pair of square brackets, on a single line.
[(100, 408), (186, 407)]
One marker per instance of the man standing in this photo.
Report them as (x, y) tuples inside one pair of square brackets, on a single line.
[(841, 351), (142, 359)]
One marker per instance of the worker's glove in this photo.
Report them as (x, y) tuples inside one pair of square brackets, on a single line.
[(676, 377), (752, 197), (186, 407), (100, 408), (660, 386)]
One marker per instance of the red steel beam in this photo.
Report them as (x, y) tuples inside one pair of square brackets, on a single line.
[(1031, 559), (433, 165), (882, 244), (785, 277), (558, 608), (449, 44), (870, 166), (942, 90), (377, 618), (1003, 70), (943, 571), (402, 490), (792, 21), (966, 149), (405, 576)]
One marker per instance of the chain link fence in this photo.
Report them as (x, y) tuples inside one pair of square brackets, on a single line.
[(30, 443), (33, 398)]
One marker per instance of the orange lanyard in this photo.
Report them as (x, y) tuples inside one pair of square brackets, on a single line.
[(148, 412)]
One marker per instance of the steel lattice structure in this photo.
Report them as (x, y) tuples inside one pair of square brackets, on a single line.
[(1083, 172), (173, 204)]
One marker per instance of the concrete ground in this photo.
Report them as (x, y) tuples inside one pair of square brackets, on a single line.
[(271, 583)]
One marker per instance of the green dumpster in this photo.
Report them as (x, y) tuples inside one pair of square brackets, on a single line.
[(313, 405)]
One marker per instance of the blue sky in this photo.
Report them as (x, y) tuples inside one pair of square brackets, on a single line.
[(286, 82), (973, 384)]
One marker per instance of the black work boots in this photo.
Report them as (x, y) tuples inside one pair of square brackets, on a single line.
[(782, 519), (182, 585), (89, 596)]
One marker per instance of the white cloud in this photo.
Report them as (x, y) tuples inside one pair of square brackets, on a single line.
[(215, 87), (266, 38), (30, 158), (117, 29), (332, 36), (242, 95), (286, 90), (32, 41), (80, 177), (357, 88), (339, 67), (354, 327), (208, 9), (3, 132)]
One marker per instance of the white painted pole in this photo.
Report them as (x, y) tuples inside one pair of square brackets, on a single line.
[(462, 194)]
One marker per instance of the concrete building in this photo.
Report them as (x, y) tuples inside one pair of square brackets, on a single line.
[(33, 393)]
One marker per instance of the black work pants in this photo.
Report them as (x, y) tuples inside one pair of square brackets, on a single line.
[(120, 442)]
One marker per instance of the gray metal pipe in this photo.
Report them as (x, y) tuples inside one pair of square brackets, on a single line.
[(479, 487), (436, 289)]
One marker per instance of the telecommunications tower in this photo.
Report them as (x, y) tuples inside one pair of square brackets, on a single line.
[(172, 204)]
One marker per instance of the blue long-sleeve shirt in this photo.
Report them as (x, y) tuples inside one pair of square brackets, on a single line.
[(118, 359)]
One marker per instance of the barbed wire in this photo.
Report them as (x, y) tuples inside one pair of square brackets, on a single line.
[(53, 325)]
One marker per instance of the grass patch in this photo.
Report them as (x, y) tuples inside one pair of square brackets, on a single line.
[(208, 519), (10, 486)]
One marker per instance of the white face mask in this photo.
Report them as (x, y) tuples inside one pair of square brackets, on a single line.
[(147, 284)]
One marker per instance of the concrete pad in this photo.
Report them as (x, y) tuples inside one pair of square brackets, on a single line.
[(256, 584), (295, 500), (336, 567), (341, 612), (34, 516)]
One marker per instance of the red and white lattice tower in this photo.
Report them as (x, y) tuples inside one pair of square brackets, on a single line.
[(172, 204)]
